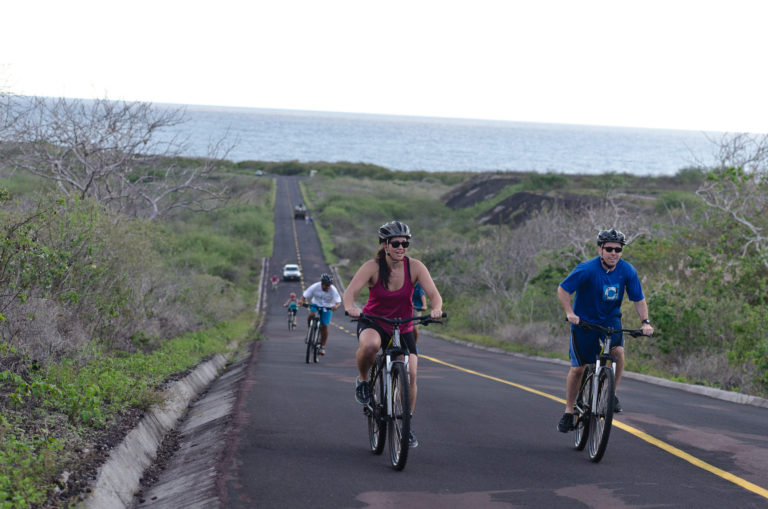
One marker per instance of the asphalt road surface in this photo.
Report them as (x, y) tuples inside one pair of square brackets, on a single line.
[(485, 422)]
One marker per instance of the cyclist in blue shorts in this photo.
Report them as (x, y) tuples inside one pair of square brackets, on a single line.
[(322, 294), (599, 284), (293, 306)]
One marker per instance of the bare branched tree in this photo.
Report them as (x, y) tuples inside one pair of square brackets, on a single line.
[(119, 153), (738, 187), (578, 229)]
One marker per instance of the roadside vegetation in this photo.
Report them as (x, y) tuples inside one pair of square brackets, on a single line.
[(123, 265), (120, 270)]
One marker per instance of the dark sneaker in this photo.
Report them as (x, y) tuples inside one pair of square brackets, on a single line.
[(616, 405), (566, 423), (412, 441), (362, 392)]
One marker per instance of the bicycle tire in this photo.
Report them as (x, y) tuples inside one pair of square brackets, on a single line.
[(377, 423), (399, 423), (601, 418), (310, 337), (583, 401), (316, 344)]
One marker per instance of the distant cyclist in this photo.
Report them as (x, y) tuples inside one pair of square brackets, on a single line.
[(390, 277), (322, 294), (293, 306), (274, 282), (599, 285)]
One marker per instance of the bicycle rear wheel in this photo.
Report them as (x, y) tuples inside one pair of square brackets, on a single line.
[(601, 417), (399, 424), (376, 412), (583, 401), (310, 339)]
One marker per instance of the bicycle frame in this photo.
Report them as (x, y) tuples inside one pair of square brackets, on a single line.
[(384, 413), (594, 420)]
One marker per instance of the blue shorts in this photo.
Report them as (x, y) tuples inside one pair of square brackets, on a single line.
[(585, 344), (325, 316)]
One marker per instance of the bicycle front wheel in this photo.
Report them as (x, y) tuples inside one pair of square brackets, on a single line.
[(399, 424), (310, 339), (583, 402), (316, 344), (601, 417), (377, 423)]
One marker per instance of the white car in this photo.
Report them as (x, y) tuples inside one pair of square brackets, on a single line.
[(291, 272)]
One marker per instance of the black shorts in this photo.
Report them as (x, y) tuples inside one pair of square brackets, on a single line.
[(407, 339)]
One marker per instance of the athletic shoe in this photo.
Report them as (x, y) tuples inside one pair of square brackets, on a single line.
[(566, 423), (321, 351), (616, 405), (412, 441), (362, 392)]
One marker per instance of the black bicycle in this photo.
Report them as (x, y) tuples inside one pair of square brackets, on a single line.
[(389, 411), (313, 340), (594, 401), (292, 318)]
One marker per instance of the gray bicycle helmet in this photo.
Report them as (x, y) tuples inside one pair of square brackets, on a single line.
[(326, 279), (611, 235), (394, 229)]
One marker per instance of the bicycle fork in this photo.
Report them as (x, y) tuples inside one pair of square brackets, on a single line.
[(605, 361), (388, 379)]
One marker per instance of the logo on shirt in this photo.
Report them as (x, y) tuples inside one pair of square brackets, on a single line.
[(610, 293)]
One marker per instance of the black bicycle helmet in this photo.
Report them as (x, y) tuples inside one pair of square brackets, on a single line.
[(326, 279), (394, 229), (611, 235)]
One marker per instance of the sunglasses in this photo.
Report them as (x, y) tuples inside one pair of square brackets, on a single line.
[(397, 243), (612, 249)]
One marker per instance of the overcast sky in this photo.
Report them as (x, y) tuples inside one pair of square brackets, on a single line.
[(696, 65)]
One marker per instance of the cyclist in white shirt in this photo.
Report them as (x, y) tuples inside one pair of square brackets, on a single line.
[(322, 294)]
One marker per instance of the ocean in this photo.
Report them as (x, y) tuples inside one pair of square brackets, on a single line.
[(439, 144)]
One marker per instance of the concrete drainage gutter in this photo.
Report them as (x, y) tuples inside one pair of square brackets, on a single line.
[(118, 479)]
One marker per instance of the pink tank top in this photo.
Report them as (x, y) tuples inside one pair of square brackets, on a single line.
[(392, 304)]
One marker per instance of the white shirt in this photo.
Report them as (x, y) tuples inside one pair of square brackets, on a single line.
[(315, 295)]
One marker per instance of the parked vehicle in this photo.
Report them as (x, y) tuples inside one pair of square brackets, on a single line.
[(291, 272)]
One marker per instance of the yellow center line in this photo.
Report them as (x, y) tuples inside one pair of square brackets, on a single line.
[(754, 488)]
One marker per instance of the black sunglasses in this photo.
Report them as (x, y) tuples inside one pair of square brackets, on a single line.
[(612, 249), (398, 243)]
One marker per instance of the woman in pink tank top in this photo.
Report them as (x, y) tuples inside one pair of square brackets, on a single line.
[(390, 277)]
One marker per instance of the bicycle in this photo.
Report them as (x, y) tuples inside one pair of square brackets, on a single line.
[(389, 411), (313, 340), (594, 401), (291, 319)]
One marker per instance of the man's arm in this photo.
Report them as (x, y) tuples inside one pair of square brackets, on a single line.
[(565, 302), (642, 311)]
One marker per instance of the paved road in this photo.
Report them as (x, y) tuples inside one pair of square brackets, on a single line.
[(485, 421)]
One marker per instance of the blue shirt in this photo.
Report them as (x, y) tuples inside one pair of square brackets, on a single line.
[(598, 292), (418, 293)]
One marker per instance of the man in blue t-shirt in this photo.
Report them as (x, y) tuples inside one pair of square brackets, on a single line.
[(599, 285), (419, 300)]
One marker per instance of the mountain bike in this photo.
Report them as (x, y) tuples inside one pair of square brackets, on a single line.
[(313, 339), (594, 401), (389, 411), (291, 319)]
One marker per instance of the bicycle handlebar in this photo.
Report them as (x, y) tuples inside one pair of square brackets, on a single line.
[(608, 330), (321, 308), (422, 320)]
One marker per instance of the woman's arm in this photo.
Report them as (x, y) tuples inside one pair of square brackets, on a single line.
[(363, 276), (423, 277)]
